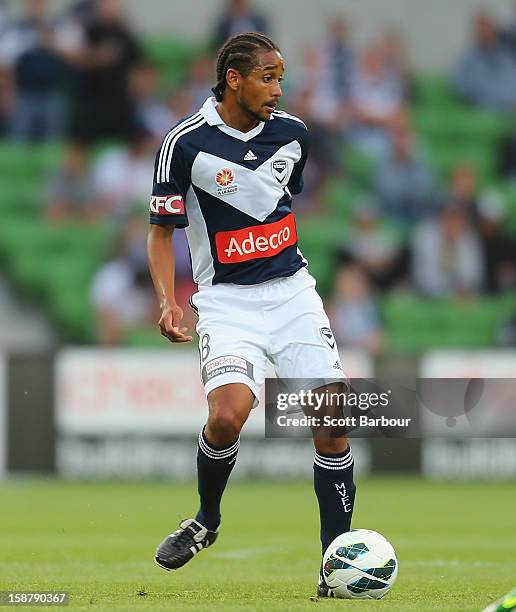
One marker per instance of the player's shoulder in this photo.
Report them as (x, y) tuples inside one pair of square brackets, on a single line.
[(185, 131), (286, 119), (290, 126), (179, 145)]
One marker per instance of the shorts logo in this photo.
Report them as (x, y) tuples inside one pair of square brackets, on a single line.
[(327, 336), (167, 205), (226, 364), (257, 241), (205, 347), (225, 179), (279, 169)]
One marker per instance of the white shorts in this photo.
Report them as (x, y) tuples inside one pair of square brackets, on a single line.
[(283, 320)]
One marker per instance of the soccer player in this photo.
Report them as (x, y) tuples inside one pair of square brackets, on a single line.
[(227, 175)]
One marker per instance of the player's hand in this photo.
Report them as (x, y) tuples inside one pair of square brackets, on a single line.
[(171, 316)]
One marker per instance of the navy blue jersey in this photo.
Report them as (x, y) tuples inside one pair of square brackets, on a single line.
[(232, 191)]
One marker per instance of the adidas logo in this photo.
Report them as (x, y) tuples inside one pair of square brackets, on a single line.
[(250, 156)]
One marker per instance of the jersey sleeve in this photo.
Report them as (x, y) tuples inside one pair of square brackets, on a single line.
[(170, 185), (295, 183)]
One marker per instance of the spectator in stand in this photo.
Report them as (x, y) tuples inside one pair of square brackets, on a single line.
[(32, 73), (325, 143), (464, 188), (72, 24), (404, 183), (374, 245), (498, 247), (102, 106), (392, 47), (3, 15), (506, 334), (486, 75), (506, 154), (353, 314), (338, 59), (180, 104), (153, 114), (317, 102), (447, 255), (6, 86), (328, 69), (69, 192), (6, 102), (121, 290), (83, 11), (199, 80), (508, 33), (238, 18), (376, 103), (120, 175)]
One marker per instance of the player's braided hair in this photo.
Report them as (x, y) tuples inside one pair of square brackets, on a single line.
[(239, 52)]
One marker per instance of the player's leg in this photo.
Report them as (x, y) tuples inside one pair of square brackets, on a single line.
[(334, 488), (333, 466), (305, 348), (333, 474), (232, 370), (229, 407)]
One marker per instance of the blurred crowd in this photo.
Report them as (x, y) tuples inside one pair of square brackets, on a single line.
[(84, 78)]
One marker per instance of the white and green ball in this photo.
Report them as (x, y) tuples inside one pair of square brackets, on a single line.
[(360, 564)]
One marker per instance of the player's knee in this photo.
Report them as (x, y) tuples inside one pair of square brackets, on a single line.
[(224, 423), (327, 445)]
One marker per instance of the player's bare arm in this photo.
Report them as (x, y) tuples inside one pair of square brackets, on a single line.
[(162, 268)]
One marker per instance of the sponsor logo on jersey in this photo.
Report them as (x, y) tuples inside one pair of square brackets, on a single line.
[(225, 179), (167, 205), (327, 336), (257, 241), (279, 169), (225, 365)]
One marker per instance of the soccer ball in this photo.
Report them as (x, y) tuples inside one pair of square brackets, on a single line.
[(360, 564)]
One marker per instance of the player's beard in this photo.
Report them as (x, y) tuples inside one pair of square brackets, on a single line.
[(253, 113)]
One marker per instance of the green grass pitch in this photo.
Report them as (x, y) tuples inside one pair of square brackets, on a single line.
[(455, 544)]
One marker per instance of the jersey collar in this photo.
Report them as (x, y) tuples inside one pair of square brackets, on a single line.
[(210, 113)]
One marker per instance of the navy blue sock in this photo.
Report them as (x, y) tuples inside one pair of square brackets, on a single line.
[(335, 490), (214, 465)]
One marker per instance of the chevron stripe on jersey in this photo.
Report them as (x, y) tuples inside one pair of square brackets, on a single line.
[(237, 207), (279, 113), (258, 190)]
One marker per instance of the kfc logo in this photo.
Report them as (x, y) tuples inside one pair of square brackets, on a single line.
[(167, 205)]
